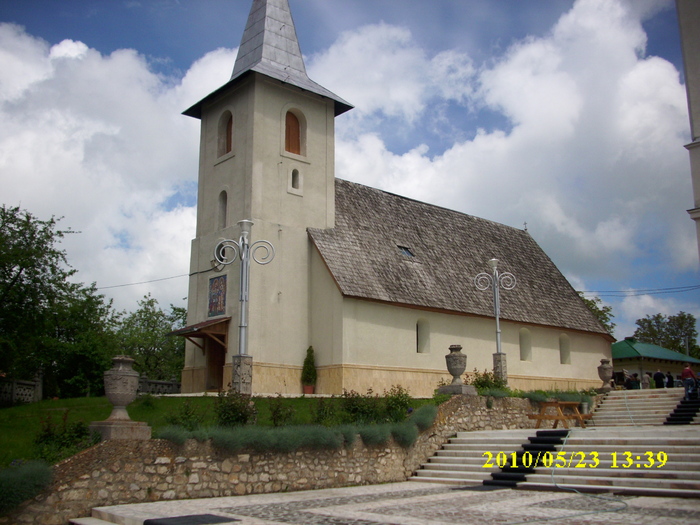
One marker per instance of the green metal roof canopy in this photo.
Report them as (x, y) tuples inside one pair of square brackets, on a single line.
[(630, 348)]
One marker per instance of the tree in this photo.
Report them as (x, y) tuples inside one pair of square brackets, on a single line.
[(143, 335), (676, 332), (603, 313), (49, 324)]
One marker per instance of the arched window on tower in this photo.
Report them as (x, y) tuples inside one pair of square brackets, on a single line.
[(292, 134), (225, 134), (223, 209)]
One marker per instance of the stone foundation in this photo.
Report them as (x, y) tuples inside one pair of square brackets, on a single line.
[(122, 471)]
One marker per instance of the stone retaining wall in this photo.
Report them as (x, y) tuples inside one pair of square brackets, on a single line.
[(118, 472)]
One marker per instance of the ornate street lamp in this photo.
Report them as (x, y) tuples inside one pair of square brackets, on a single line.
[(225, 253), (496, 280)]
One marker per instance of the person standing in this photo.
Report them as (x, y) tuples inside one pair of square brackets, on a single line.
[(689, 380), (646, 380), (669, 379), (659, 378)]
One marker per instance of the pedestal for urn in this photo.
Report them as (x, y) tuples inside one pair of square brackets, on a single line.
[(456, 365), (121, 384), (605, 373)]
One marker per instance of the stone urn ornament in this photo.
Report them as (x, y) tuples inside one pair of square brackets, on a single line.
[(605, 372), (456, 365), (121, 384)]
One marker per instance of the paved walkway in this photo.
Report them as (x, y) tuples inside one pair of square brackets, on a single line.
[(412, 503)]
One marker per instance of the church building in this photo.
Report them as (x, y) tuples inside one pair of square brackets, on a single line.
[(378, 284)]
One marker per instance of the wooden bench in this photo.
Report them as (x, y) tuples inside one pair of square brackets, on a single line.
[(575, 415)]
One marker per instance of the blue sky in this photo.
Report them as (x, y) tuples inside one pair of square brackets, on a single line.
[(568, 115)]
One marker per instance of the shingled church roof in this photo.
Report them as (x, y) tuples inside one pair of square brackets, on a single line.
[(389, 248)]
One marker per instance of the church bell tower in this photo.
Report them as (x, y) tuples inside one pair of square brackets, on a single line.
[(266, 155)]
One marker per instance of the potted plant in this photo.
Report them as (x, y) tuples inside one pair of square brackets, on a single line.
[(308, 372)]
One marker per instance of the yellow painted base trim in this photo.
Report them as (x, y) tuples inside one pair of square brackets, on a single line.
[(270, 378)]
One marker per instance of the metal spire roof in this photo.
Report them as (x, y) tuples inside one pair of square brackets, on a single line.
[(269, 46)]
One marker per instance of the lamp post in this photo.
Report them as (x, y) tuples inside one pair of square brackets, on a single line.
[(225, 253), (496, 280)]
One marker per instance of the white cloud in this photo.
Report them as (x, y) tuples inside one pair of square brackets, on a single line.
[(100, 141)]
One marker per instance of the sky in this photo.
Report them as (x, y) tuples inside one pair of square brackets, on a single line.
[(568, 116)]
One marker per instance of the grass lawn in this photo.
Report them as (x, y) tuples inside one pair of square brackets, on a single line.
[(20, 424)]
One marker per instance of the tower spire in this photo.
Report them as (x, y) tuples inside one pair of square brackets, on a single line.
[(269, 46)]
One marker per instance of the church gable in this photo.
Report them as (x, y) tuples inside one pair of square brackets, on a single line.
[(393, 249)]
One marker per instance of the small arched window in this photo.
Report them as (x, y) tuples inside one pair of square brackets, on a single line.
[(422, 336), (296, 179), (564, 349), (225, 134), (525, 345), (223, 209), (292, 134)]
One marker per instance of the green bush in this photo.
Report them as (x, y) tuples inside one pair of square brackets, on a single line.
[(537, 396), (496, 392), (233, 409), (176, 434), (324, 412), (281, 439), (405, 434), (281, 412), (374, 434), (349, 433), (362, 409), (424, 416), (308, 371), (187, 416), (397, 401), (55, 442), (22, 482), (486, 380)]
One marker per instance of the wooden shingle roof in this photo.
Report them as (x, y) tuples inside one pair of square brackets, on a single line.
[(366, 255)]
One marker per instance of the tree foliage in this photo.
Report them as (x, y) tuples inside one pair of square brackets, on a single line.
[(143, 335), (602, 312), (49, 325), (64, 331), (675, 332)]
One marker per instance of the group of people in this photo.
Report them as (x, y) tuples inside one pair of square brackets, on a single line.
[(688, 379)]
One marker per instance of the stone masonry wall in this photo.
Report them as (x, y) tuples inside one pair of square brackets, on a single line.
[(118, 472)]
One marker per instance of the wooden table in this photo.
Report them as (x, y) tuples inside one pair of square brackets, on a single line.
[(559, 415)]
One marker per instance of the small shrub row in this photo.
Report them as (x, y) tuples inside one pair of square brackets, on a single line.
[(21, 482), (315, 437)]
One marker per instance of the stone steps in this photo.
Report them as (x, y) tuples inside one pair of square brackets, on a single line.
[(636, 407), (462, 463)]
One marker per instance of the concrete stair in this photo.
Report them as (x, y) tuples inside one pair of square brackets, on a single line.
[(461, 461), (636, 407), (678, 477)]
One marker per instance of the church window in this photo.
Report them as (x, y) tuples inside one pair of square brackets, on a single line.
[(225, 141), (564, 349), (223, 209), (525, 345), (295, 179), (293, 138), (422, 336)]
